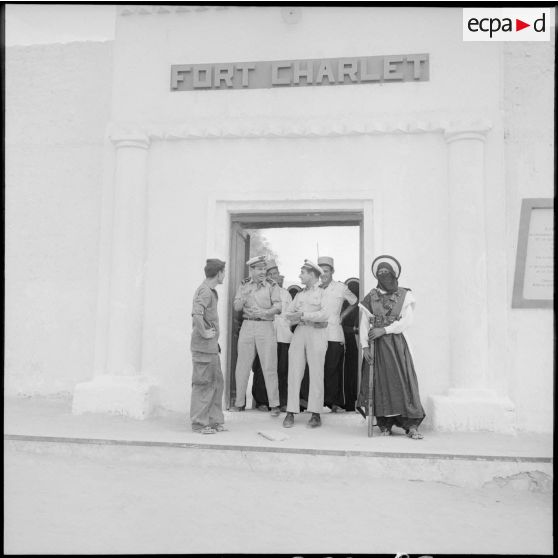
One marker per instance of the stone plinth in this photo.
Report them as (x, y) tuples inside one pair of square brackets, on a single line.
[(131, 396), (472, 410)]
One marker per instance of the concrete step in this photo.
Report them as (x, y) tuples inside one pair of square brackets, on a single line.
[(339, 448), (471, 471)]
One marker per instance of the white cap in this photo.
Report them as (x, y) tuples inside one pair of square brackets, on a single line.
[(256, 260), (311, 265), (326, 260)]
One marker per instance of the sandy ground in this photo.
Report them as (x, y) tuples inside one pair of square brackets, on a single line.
[(75, 504)]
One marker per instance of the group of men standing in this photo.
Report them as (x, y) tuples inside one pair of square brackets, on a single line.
[(282, 337), (316, 346)]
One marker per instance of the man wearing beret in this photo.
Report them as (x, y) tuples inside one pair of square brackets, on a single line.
[(309, 345), (206, 412), (284, 335), (259, 300)]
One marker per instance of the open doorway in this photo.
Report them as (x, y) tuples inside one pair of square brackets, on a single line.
[(289, 238)]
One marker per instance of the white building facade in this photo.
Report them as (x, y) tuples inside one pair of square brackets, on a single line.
[(119, 184)]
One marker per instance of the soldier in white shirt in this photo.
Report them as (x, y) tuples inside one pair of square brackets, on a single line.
[(335, 293), (309, 345)]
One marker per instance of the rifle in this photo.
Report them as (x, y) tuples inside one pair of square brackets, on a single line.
[(371, 390), (371, 344)]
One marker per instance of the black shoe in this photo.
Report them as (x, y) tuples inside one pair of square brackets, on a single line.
[(315, 420), (275, 411), (263, 408), (288, 421), (337, 409)]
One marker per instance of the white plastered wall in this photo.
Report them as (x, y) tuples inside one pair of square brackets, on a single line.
[(191, 198), (511, 88)]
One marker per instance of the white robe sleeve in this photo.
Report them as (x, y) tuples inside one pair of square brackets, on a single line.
[(406, 320)]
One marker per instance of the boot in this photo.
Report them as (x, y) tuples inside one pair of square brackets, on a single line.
[(288, 422), (315, 420)]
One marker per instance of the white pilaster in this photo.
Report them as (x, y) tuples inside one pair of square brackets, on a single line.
[(122, 389), (471, 403)]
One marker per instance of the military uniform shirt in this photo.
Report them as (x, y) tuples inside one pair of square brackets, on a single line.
[(205, 305), (310, 301), (282, 325), (335, 294), (264, 295)]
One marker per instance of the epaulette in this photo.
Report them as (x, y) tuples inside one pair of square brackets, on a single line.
[(244, 281)]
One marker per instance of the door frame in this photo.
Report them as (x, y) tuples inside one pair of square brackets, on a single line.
[(265, 208), (240, 222)]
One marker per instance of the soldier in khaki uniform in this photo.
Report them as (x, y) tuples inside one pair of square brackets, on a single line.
[(309, 344), (284, 335), (206, 412), (259, 299)]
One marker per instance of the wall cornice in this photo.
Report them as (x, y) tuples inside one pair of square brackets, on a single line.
[(145, 9), (293, 128)]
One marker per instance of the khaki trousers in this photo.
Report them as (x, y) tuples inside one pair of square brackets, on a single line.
[(257, 336), (206, 404), (309, 344)]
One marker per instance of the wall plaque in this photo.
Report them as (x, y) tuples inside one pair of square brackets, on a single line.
[(534, 268)]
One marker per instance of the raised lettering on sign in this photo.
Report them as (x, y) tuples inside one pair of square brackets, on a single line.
[(300, 73)]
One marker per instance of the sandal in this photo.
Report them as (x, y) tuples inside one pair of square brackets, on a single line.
[(220, 428), (207, 430), (414, 434)]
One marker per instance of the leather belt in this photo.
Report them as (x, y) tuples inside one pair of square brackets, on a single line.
[(317, 325), (258, 320)]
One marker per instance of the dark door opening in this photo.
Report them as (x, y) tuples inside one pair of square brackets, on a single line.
[(247, 232)]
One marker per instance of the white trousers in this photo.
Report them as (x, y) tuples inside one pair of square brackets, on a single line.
[(309, 344)]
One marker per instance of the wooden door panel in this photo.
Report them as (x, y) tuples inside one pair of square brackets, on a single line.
[(240, 253)]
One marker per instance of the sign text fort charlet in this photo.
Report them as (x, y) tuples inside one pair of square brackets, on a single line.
[(300, 73)]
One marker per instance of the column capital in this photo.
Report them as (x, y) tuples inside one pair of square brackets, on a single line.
[(459, 132), (131, 140), (128, 137)]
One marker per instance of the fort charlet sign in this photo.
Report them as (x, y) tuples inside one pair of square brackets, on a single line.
[(300, 73)]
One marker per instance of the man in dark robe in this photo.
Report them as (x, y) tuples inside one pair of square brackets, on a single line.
[(387, 311), (350, 331)]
